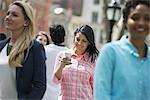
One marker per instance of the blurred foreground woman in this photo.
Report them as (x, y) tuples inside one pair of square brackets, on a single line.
[(123, 67), (22, 59)]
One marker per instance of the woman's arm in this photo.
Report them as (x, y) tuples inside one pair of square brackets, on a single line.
[(61, 62), (39, 72), (103, 74), (59, 70)]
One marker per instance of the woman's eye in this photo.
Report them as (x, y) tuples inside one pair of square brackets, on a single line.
[(78, 39), (14, 14), (84, 41), (135, 18)]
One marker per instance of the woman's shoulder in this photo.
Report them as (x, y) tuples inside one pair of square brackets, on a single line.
[(113, 46), (36, 47), (35, 44)]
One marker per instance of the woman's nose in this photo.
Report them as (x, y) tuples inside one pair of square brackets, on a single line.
[(7, 17), (142, 22), (79, 42)]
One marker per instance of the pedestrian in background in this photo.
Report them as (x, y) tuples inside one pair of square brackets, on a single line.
[(57, 34), (22, 59), (74, 68), (43, 38), (123, 67)]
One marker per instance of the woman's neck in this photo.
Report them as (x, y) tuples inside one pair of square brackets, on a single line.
[(14, 37), (13, 40), (140, 46), (59, 44), (15, 34)]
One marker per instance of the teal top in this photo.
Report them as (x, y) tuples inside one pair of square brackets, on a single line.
[(121, 74)]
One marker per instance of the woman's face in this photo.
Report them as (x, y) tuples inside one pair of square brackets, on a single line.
[(138, 22), (15, 19), (81, 43), (42, 39)]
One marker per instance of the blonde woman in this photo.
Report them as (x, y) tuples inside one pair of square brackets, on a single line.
[(22, 60)]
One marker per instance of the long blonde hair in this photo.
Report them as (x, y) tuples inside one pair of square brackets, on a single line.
[(16, 55)]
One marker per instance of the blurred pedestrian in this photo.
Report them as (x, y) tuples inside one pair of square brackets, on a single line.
[(74, 68), (22, 59), (57, 34), (43, 38), (123, 67)]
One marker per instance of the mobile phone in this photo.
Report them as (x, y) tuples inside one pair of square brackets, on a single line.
[(68, 56)]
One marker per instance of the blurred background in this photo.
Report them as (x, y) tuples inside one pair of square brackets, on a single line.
[(104, 16)]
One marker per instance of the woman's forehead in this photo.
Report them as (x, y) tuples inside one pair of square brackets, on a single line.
[(81, 36), (15, 8)]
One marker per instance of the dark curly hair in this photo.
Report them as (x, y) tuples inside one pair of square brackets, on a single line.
[(57, 33), (132, 4)]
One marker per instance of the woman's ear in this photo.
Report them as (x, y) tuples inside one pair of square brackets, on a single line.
[(26, 23)]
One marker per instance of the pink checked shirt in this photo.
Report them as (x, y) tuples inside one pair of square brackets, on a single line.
[(77, 79)]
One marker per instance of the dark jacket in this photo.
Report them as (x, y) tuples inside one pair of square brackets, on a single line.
[(31, 78)]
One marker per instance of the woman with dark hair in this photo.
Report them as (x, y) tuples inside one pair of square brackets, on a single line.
[(43, 38), (123, 67), (74, 69)]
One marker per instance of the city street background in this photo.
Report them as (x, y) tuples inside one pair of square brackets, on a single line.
[(71, 14)]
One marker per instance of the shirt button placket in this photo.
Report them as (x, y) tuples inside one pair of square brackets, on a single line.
[(140, 88), (140, 82)]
